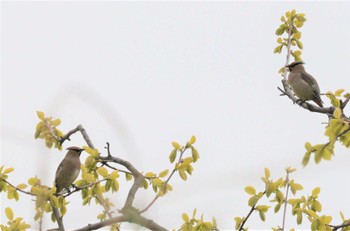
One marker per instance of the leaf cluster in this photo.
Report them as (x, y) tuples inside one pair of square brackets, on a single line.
[(302, 206), (337, 129), (194, 224), (47, 130), (273, 191), (289, 34), (14, 224), (184, 165)]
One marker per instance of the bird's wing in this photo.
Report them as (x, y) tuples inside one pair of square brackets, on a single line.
[(316, 89), (310, 80), (59, 169)]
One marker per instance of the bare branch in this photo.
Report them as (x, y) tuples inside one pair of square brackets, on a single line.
[(148, 223), (345, 131), (102, 202), (336, 227), (140, 220), (18, 189), (108, 150), (345, 102), (83, 133), (138, 177), (59, 218), (111, 167), (77, 189), (104, 223), (285, 201)]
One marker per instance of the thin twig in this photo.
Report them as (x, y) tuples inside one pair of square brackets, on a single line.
[(108, 150), (345, 131), (105, 207), (165, 183), (336, 227), (111, 167), (246, 218), (289, 42), (67, 136), (77, 189), (138, 177), (40, 223), (345, 102), (283, 92), (18, 189), (285, 202), (104, 223), (250, 213), (83, 133)]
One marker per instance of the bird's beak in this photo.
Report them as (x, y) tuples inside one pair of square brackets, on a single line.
[(81, 150)]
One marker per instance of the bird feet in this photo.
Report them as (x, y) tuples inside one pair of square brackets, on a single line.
[(300, 102)]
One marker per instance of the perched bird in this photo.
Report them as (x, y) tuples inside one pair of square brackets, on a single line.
[(68, 170), (303, 84)]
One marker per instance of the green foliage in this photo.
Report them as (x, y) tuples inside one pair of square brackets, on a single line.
[(47, 129), (183, 165), (194, 223), (14, 224), (158, 184), (303, 206), (273, 188), (3, 176), (337, 129), (98, 177), (291, 23)]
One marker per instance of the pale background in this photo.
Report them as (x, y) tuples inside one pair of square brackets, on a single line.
[(143, 74)]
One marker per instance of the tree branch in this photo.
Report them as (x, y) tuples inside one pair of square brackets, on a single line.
[(148, 223), (140, 220), (241, 227), (77, 189), (336, 227), (138, 177), (345, 102), (104, 223), (83, 133), (58, 217), (18, 189), (285, 202), (246, 218), (102, 201), (111, 167)]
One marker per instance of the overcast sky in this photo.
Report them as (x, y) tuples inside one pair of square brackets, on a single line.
[(143, 74)]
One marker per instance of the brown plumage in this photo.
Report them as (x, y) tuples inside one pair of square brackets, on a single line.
[(68, 170), (303, 84)]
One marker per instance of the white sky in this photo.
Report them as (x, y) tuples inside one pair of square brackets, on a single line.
[(143, 74)]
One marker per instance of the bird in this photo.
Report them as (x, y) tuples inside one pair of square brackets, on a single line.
[(304, 86), (68, 170)]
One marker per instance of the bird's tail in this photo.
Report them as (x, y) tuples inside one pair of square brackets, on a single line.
[(318, 101)]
